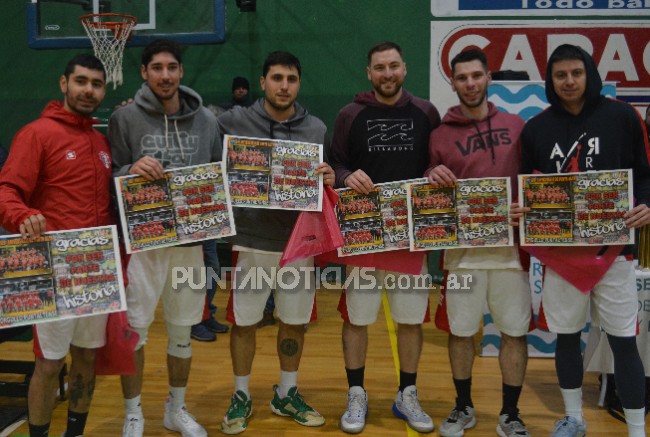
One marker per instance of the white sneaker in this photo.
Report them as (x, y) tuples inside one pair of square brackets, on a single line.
[(407, 407), (457, 422), (354, 419), (133, 425), (183, 422)]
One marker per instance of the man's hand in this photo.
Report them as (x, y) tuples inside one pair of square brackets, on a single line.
[(33, 226), (516, 212), (327, 172), (441, 175), (637, 216), (124, 103), (148, 167), (360, 182)]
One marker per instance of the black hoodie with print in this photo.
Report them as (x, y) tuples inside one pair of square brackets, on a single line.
[(607, 134)]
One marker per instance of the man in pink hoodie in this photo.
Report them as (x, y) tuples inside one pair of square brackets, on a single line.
[(477, 140)]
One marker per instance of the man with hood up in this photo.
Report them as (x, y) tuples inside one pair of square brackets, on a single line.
[(583, 131), (166, 127), (477, 140), (382, 137), (261, 237)]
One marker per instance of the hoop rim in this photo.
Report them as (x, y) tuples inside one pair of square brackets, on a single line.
[(125, 17)]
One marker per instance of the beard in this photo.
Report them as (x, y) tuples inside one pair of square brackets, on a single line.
[(478, 103), (281, 106), (81, 109), (388, 94)]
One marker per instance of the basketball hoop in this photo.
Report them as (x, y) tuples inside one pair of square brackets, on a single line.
[(108, 34)]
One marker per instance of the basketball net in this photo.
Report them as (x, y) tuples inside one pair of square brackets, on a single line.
[(108, 34)]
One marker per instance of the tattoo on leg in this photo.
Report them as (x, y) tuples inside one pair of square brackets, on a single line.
[(289, 347), (76, 391), (90, 389)]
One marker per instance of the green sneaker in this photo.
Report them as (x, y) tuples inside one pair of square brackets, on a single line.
[(239, 410), (295, 407)]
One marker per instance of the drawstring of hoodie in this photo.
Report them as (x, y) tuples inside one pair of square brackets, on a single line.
[(178, 137), (490, 143), (272, 129)]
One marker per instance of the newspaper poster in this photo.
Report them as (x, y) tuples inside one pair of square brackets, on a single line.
[(576, 209), (275, 174), (472, 213), (374, 222), (60, 275), (187, 204)]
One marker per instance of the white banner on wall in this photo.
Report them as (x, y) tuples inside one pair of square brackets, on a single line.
[(538, 8)]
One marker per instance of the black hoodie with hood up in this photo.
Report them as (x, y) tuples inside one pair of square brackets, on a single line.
[(607, 134)]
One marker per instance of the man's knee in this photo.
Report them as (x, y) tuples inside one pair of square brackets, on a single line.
[(179, 343), (410, 328), (513, 339), (49, 368), (83, 356)]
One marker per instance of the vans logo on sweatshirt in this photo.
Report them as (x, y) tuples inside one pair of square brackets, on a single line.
[(385, 135), (479, 143)]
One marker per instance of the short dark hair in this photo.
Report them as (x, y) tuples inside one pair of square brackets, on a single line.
[(468, 56), (84, 60), (281, 58), (382, 46), (161, 46)]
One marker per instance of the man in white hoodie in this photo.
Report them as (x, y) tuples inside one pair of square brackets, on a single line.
[(166, 127)]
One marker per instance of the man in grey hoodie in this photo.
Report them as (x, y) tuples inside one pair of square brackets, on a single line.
[(261, 237), (166, 127)]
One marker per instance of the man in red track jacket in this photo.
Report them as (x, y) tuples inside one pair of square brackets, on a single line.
[(57, 177)]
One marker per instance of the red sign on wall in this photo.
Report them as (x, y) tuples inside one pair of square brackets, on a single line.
[(621, 49)]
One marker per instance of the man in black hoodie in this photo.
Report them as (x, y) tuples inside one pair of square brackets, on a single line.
[(583, 131)]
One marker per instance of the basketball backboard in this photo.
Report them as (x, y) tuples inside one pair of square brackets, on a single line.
[(55, 23)]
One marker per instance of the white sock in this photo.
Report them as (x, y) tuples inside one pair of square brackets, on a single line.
[(241, 383), (287, 380), (635, 422), (133, 405), (177, 397), (573, 403)]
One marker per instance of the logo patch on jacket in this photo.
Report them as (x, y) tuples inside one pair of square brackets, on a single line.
[(106, 160), (387, 135), (70, 155)]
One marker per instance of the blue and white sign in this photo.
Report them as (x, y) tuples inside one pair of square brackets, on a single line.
[(539, 8)]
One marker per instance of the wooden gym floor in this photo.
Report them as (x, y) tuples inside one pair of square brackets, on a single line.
[(323, 384)]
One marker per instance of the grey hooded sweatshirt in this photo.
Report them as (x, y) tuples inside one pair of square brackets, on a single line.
[(268, 229), (189, 137)]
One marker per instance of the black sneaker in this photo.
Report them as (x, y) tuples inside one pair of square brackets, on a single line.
[(214, 326)]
